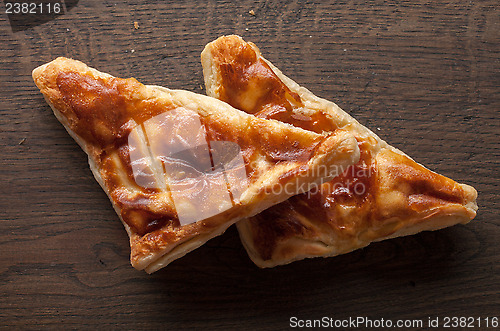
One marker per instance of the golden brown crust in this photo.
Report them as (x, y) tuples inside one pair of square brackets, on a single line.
[(386, 194), (100, 111)]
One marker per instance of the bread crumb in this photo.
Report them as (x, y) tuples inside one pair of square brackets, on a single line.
[(201, 87), (136, 25), (132, 51), (251, 12)]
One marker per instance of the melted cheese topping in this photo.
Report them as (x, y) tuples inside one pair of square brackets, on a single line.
[(105, 113), (369, 195)]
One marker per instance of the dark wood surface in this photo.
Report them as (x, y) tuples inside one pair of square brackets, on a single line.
[(423, 75)]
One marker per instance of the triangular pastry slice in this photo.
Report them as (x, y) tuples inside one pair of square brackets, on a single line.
[(385, 195), (178, 167)]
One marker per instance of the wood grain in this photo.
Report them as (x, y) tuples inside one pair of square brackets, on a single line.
[(423, 75)]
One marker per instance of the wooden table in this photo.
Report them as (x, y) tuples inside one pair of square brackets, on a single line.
[(423, 75)]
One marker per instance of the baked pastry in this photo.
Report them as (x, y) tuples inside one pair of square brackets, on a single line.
[(385, 195), (178, 167)]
